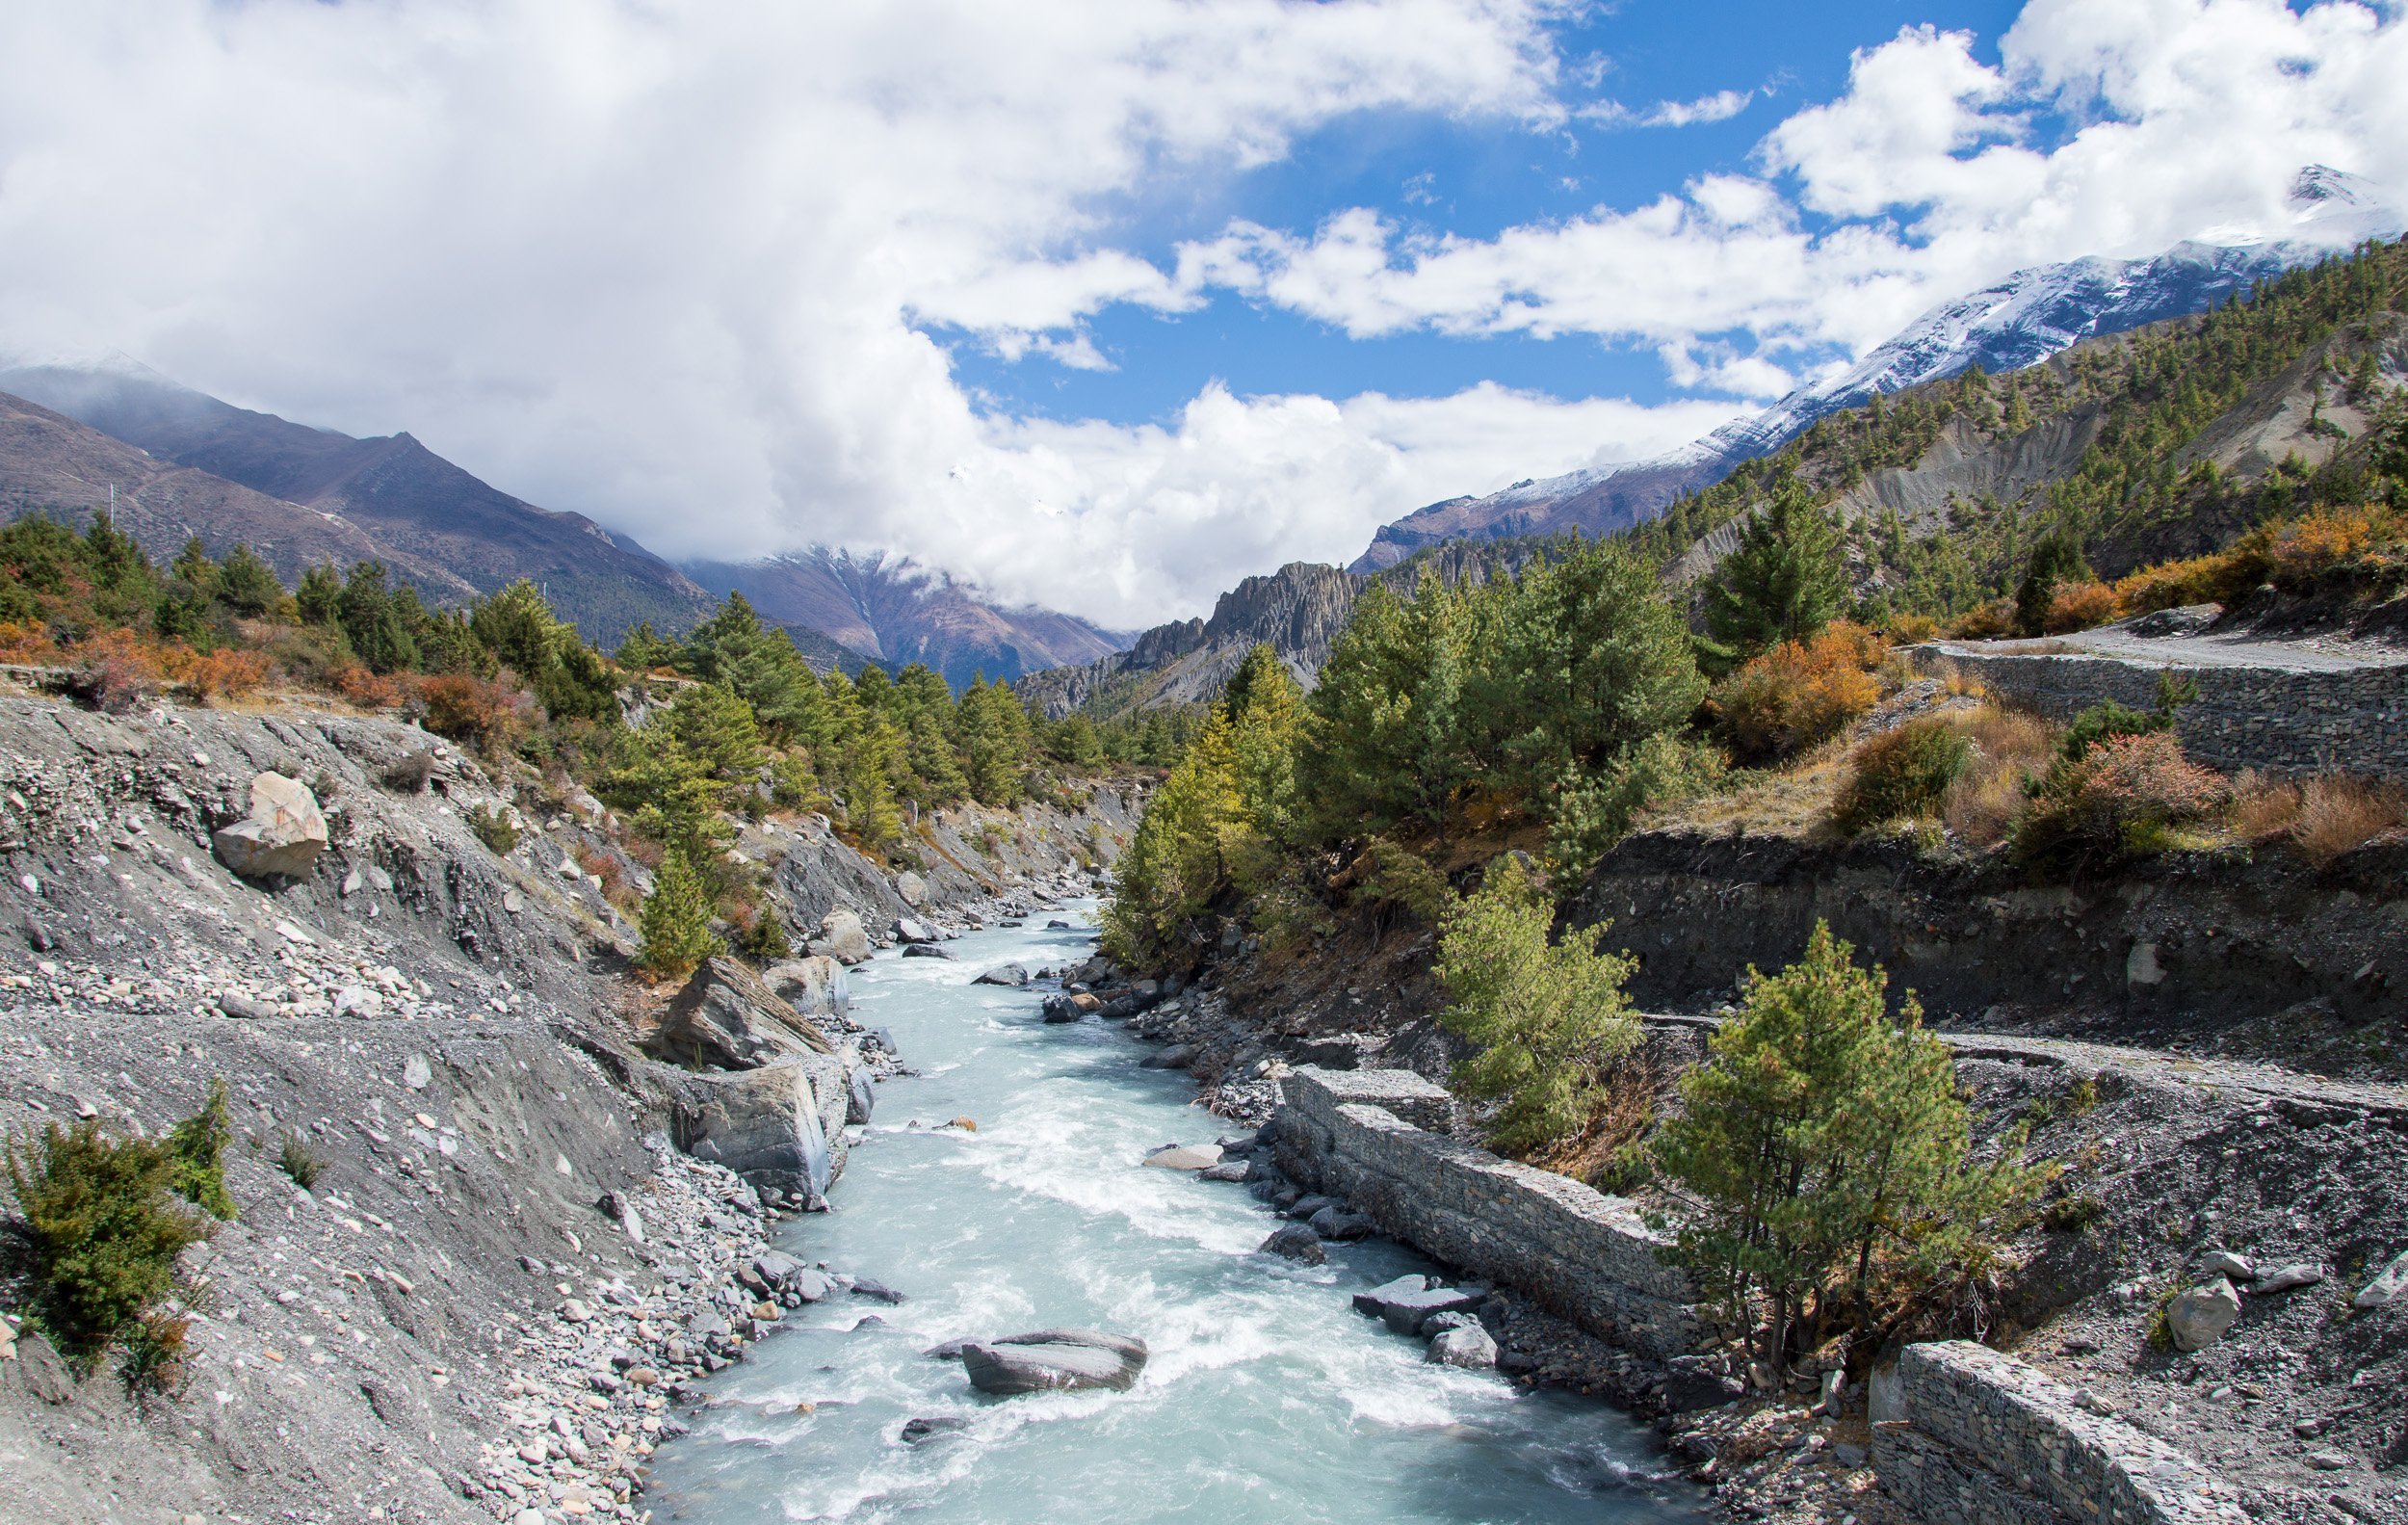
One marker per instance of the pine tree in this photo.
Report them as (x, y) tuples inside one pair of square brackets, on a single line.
[(761, 664), (2055, 559), (676, 920), (1544, 1018), (1591, 660), (1818, 1136), (994, 733), (372, 623), (247, 584), (1784, 581)]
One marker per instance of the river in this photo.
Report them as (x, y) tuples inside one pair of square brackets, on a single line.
[(1266, 1397)]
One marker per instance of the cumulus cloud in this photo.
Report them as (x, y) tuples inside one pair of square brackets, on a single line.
[(679, 263), (673, 263), (2108, 127)]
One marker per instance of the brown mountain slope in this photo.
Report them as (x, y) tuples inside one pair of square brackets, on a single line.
[(423, 511), (890, 609), (49, 463)]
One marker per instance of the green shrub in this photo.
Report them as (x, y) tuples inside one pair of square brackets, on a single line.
[(197, 1146), (2103, 722), (1545, 1018), (1900, 773), (765, 940), (676, 920), (2071, 1215), (91, 1250), (492, 826), (2121, 800), (1596, 812), (300, 1162)]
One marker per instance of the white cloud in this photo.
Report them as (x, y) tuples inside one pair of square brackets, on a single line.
[(667, 262), (1720, 106), (1932, 174), (670, 261)]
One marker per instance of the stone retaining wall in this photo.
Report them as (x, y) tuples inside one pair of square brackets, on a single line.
[(1371, 1137), (1988, 1440), (2355, 721)]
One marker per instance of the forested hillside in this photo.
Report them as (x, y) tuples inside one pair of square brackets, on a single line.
[(1418, 843), (679, 734)]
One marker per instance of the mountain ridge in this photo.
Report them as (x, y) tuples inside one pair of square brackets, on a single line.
[(175, 462), (2008, 325)]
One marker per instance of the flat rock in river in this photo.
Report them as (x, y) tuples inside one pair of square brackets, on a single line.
[(1186, 1157), (1049, 1360), (1013, 974), (1373, 1301)]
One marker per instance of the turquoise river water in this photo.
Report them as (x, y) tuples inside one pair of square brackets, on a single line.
[(1267, 1398)]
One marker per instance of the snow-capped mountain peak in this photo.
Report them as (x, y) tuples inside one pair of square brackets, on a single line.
[(2018, 321)]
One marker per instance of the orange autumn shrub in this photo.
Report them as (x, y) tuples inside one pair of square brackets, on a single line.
[(114, 670), (26, 643), (2080, 606), (370, 691), (2122, 799), (2361, 548), (1990, 622), (2218, 579), (481, 712), (1799, 693), (224, 673)]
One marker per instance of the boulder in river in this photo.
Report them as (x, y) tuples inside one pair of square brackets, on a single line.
[(842, 937), (1050, 1361), (780, 1126), (1373, 1301), (860, 1099), (1178, 1056), (917, 1430), (1404, 1312), (280, 839), (1013, 974), (925, 950), (1062, 1009), (726, 1017), (1296, 1242), (1185, 1157), (1468, 1346), (911, 928), (1336, 1223), (815, 986)]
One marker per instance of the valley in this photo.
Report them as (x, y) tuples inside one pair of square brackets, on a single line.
[(1848, 974)]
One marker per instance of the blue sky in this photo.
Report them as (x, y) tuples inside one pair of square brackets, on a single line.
[(1104, 304), (1470, 178)]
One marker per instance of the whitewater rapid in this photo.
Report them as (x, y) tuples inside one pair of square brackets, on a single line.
[(1266, 1397)]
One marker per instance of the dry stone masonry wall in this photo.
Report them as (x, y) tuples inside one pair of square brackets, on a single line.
[(2351, 720), (1375, 1138), (1988, 1440)]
